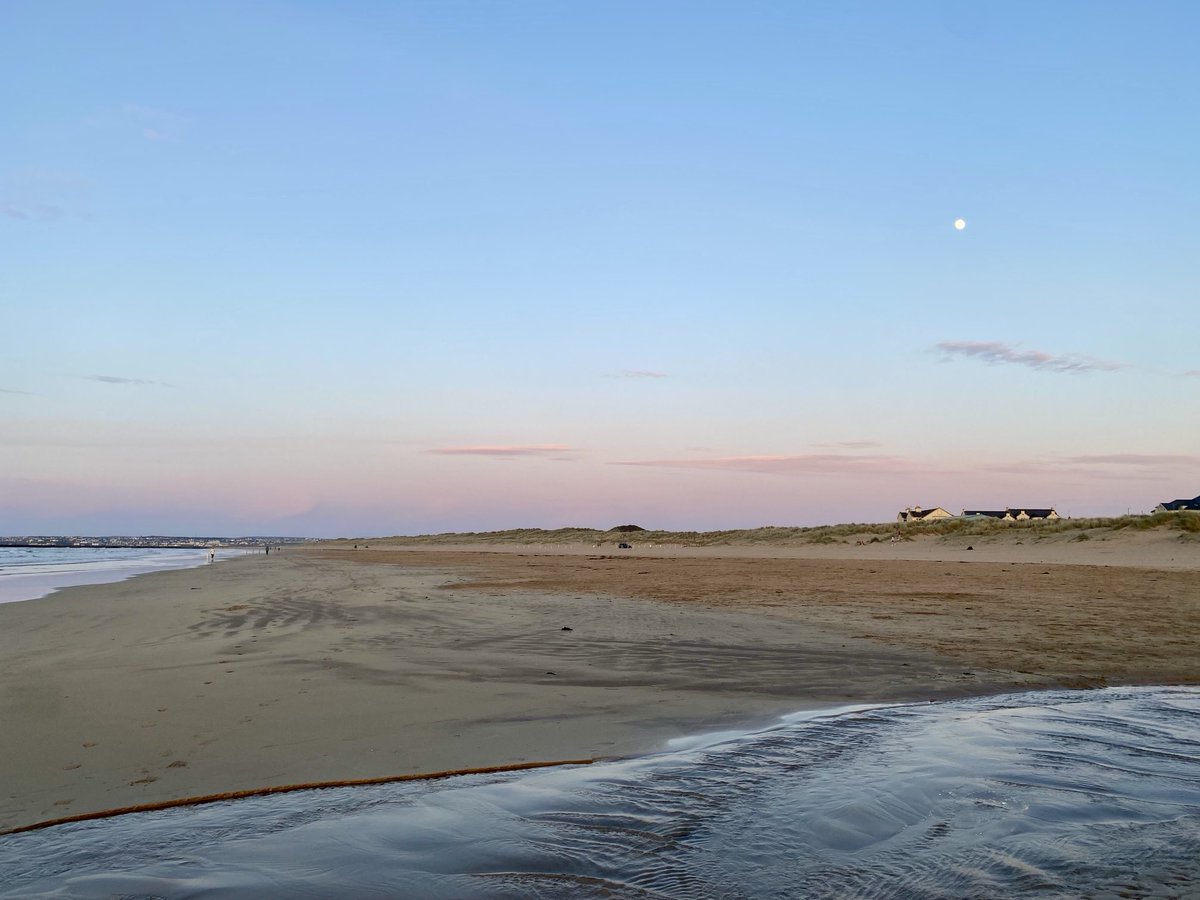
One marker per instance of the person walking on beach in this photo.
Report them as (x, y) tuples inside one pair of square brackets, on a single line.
[(212, 555)]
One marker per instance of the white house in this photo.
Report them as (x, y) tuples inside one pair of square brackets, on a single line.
[(917, 514), (1012, 514), (1024, 515)]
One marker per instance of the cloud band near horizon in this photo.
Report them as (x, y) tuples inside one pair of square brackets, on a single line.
[(505, 451), (798, 464)]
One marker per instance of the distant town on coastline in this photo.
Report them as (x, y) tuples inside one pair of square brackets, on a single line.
[(146, 542)]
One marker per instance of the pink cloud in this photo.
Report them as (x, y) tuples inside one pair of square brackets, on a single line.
[(993, 352), (1135, 459), (800, 464), (1098, 468), (544, 450)]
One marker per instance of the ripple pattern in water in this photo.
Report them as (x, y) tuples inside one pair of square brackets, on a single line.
[(1053, 794)]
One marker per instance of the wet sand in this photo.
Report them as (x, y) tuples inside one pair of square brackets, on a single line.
[(331, 663)]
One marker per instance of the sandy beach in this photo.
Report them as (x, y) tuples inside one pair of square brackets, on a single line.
[(333, 663)]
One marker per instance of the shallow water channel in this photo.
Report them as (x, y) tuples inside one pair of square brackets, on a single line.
[(1058, 793)]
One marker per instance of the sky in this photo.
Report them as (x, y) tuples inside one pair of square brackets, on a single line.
[(374, 268)]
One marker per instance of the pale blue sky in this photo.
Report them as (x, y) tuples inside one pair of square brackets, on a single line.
[(310, 246)]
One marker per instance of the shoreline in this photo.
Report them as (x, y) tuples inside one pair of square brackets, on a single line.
[(20, 586), (322, 664)]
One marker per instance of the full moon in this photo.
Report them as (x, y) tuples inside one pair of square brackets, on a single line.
[(960, 224)]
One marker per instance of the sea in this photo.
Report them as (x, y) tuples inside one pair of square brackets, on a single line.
[(1046, 794), (27, 573)]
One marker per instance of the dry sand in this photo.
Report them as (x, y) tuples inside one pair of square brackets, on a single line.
[(329, 663)]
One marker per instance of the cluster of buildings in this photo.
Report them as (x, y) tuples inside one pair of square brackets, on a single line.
[(1010, 514), (1021, 514)]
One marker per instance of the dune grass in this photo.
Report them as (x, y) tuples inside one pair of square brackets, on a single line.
[(1185, 523)]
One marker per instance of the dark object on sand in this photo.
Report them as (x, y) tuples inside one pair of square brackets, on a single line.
[(566, 628), (624, 546)]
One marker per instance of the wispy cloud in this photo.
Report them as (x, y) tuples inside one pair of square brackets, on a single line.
[(993, 352), (509, 452), (1134, 459), (92, 433), (11, 391), (1192, 373), (641, 373), (45, 212), (33, 194), (156, 124), (847, 445), (117, 379), (799, 464)]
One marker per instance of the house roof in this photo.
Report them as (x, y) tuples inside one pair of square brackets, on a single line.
[(1194, 503), (1032, 512)]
